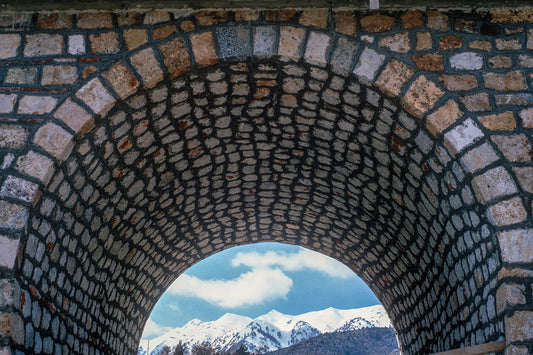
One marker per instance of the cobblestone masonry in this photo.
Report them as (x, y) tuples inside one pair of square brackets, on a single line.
[(133, 145)]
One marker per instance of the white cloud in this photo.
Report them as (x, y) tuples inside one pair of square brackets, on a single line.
[(251, 288), (303, 260), (152, 329)]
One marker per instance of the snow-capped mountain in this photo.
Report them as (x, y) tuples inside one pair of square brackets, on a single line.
[(268, 332)]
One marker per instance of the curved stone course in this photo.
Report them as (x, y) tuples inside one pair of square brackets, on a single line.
[(134, 145)]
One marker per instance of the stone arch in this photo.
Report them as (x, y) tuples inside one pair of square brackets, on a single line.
[(430, 130)]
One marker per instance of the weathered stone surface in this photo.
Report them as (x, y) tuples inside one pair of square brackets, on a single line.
[(511, 81), (233, 41), (412, 19), (36, 105), (187, 26), (423, 41), (54, 139), (265, 40), (369, 63), (526, 116), (156, 16), (59, 75), (146, 64), (95, 20), (511, 15), (516, 245), (96, 96), (377, 23), (437, 20), (500, 61), (208, 18), (54, 20), (467, 61), (317, 46), (21, 76), (394, 77), (508, 212), (246, 15), (291, 41), (460, 82), (43, 44), (7, 103), (499, 122), (429, 61), (397, 43), (12, 216), (522, 99), (421, 96), (175, 57), (463, 25), (509, 294), (12, 136), (122, 80), (519, 326), (345, 22), (12, 326), (8, 253), (525, 177), (9, 44), (203, 47), (73, 115), (508, 44), (135, 37), (104, 43), (481, 45), (462, 136), (476, 102), (314, 17), (163, 31), (443, 117), (17, 188), (35, 165), (479, 157), (280, 15), (525, 61), (450, 42), (494, 183), (76, 44), (515, 147)]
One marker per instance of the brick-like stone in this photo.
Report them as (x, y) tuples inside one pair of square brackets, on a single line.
[(9, 45), (508, 44), (23, 76), (128, 18), (280, 15), (54, 139), (511, 81), (481, 45), (499, 122), (76, 44), (369, 63), (35, 165), (516, 246), (500, 61), (12, 216), (511, 15), (36, 105), (156, 16), (317, 46), (12, 136), (146, 64), (437, 20), (265, 40), (515, 147), (233, 41), (519, 327), (522, 99), (291, 41), (429, 61), (526, 116), (525, 177), (443, 117), (424, 41), (203, 47), (187, 26), (462, 136), (343, 56), (479, 157), (73, 115), (459, 82), (135, 37), (412, 19), (122, 80), (18, 188), (397, 43), (59, 75), (377, 23), (175, 57), (43, 44), (96, 96), (394, 77), (494, 183), (54, 20), (450, 42), (208, 18), (8, 253), (7, 102), (314, 17), (12, 327), (509, 294), (95, 20), (345, 22), (466, 61), (163, 31), (476, 102), (508, 212), (104, 43), (463, 25), (421, 96), (246, 15)]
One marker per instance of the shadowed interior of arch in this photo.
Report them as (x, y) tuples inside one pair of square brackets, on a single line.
[(255, 151)]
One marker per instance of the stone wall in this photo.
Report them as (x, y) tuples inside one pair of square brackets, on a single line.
[(133, 145)]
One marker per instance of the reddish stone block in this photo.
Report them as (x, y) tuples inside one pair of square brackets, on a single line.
[(122, 80), (437, 20), (208, 18), (511, 81), (187, 26), (394, 77), (314, 17), (246, 15), (499, 122), (164, 31), (135, 38), (95, 20), (423, 41), (412, 19), (459, 82), (421, 96), (377, 23), (280, 15), (515, 147), (55, 20), (203, 48), (430, 61), (104, 43), (345, 22), (148, 67), (450, 42), (175, 57)]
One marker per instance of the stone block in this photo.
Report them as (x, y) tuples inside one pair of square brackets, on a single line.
[(462, 136), (377, 23), (233, 41), (519, 327), (9, 288), (394, 77), (43, 44), (96, 96), (429, 61), (59, 75), (493, 183), (12, 326), (280, 15), (343, 56), (396, 43), (317, 46), (511, 81), (525, 61), (246, 15), (521, 99), (424, 41), (463, 25), (54, 139), (76, 44), (9, 45), (73, 115), (147, 66), (122, 80), (369, 63), (24, 76), (504, 121), (208, 18), (450, 42), (515, 148), (508, 44), (509, 294), (187, 26), (516, 246), (412, 19), (35, 165), (95, 20), (481, 45), (104, 43), (437, 20), (265, 40), (17, 188), (55, 20), (291, 41), (508, 212), (479, 157), (7, 103), (36, 105), (12, 136), (314, 17), (466, 61), (135, 37), (345, 22), (203, 48), (156, 16), (476, 102), (421, 96), (163, 31), (128, 18), (443, 117), (511, 15), (526, 116), (176, 57), (500, 61), (461, 82), (12, 216), (525, 177)]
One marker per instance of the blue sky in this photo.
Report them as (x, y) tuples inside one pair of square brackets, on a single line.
[(252, 280)]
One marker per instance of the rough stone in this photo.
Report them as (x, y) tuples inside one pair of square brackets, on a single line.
[(265, 40), (511, 15), (314, 17), (35, 165), (135, 37), (394, 77), (76, 44), (343, 56), (526, 117), (233, 41), (9, 44), (12, 326), (515, 147), (175, 57), (494, 183), (511, 81), (95, 20), (423, 41), (525, 61), (317, 46), (499, 122), (500, 61), (36, 105), (481, 45), (412, 19), (54, 20), (12, 216), (397, 43), (345, 22), (122, 80), (462, 136), (43, 44), (8, 253), (525, 177), (54, 139), (429, 61), (104, 43), (12, 136), (508, 212), (146, 64), (443, 117), (437, 20), (516, 245), (208, 18), (59, 75), (467, 61), (460, 82), (163, 31), (369, 63), (73, 115), (246, 15), (21, 76), (17, 188), (421, 96), (280, 15), (514, 99), (187, 26), (377, 23), (96, 96), (290, 41), (508, 44), (156, 16), (479, 157), (476, 102), (7, 103), (463, 25), (519, 326), (450, 42), (203, 47)]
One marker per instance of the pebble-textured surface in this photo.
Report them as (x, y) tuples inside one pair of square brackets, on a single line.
[(133, 145)]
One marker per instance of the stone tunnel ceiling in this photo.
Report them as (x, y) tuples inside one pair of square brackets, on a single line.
[(401, 150)]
